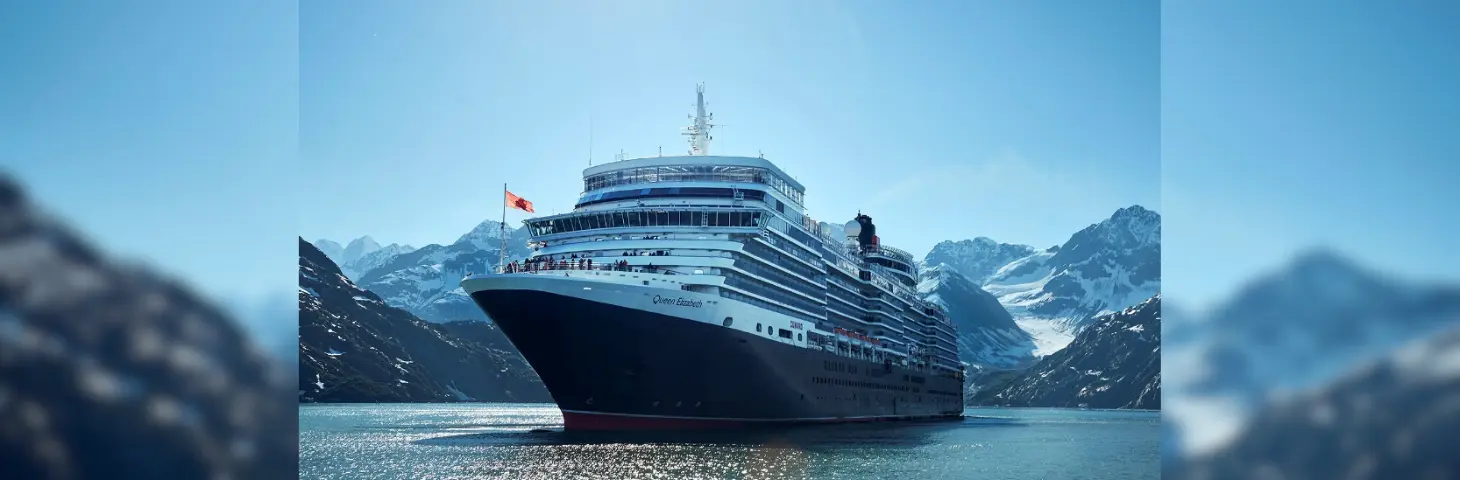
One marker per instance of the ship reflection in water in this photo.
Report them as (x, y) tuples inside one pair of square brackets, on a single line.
[(526, 441)]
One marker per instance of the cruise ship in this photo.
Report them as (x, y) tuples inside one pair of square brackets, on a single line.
[(693, 291)]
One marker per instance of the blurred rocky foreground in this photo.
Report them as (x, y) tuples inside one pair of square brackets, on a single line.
[(1396, 419), (109, 370)]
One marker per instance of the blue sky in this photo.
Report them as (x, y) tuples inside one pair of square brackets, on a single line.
[(945, 120), (1306, 124), (166, 131), (206, 136)]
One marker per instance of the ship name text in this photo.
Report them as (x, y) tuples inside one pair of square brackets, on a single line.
[(682, 302)]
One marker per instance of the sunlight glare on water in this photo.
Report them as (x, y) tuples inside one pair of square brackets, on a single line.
[(526, 442)]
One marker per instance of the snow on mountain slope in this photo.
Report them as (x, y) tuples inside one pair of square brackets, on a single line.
[(1115, 363), (1101, 269), (426, 282), (1020, 285), (987, 335)]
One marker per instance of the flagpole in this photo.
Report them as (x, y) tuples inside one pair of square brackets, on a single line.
[(502, 251)]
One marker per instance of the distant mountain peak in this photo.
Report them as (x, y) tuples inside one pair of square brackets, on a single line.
[(1327, 261), (1319, 274), (486, 235), (364, 245), (977, 259), (1134, 211), (330, 248)]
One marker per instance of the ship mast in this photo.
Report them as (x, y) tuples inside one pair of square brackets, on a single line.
[(699, 132)]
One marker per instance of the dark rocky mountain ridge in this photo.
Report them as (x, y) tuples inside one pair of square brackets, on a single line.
[(355, 348)]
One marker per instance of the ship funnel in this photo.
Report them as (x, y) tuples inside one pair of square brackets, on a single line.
[(863, 230)]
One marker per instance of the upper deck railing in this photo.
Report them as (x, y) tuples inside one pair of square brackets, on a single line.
[(581, 264), (883, 250), (642, 217), (894, 252)]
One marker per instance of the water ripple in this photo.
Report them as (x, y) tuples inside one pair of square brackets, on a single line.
[(524, 442)]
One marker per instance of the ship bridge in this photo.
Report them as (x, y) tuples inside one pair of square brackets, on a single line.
[(745, 171)]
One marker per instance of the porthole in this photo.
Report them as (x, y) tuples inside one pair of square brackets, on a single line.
[(757, 328), (798, 337), (729, 321)]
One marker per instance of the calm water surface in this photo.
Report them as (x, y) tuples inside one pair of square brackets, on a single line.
[(526, 441)]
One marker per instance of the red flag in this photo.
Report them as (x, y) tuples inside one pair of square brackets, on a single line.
[(519, 203)]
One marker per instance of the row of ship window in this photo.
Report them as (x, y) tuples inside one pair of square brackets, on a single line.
[(781, 225), (671, 192), (780, 278), (800, 251), (743, 282), (693, 173), (712, 217), (733, 295), (779, 257), (842, 382)]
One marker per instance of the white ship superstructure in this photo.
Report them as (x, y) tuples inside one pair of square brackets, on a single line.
[(725, 242)]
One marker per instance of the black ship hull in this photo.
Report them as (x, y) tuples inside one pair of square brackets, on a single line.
[(610, 367)]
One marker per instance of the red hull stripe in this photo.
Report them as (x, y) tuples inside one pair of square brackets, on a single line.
[(577, 420)]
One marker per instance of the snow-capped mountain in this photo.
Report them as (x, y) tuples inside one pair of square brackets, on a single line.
[(1288, 331), (987, 335), (355, 348), (488, 236), (367, 262), (1115, 362), (1395, 418), (358, 248), (977, 259), (426, 282), (361, 255), (1103, 268), (331, 249)]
